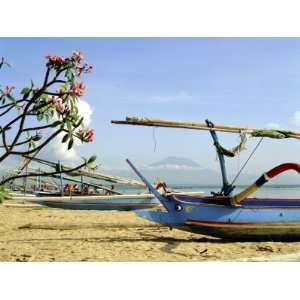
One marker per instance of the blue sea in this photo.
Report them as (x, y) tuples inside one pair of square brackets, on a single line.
[(270, 191)]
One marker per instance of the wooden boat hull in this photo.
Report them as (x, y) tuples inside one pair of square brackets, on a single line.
[(100, 202), (253, 219)]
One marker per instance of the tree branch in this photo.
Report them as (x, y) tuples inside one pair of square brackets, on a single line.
[(7, 110), (39, 127), (4, 139), (38, 147), (13, 103)]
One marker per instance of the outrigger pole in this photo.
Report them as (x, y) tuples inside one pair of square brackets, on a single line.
[(255, 132)]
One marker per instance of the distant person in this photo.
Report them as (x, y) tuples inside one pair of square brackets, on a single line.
[(85, 189), (75, 188), (161, 186), (111, 190)]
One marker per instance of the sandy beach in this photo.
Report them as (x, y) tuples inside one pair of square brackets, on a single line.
[(46, 234)]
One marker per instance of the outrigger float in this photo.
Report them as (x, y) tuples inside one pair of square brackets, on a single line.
[(224, 214)]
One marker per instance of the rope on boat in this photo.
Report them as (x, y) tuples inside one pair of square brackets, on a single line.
[(246, 162)]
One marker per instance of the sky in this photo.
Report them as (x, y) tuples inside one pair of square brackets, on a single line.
[(252, 82)]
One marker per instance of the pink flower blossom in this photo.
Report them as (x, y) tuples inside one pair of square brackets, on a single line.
[(90, 135), (77, 56), (86, 135), (55, 59), (77, 89), (80, 134), (57, 103), (9, 89)]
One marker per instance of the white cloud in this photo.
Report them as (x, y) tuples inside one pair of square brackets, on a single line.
[(59, 151), (85, 111), (272, 125), (296, 118)]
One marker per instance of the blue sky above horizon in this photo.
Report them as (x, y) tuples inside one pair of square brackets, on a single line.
[(240, 81)]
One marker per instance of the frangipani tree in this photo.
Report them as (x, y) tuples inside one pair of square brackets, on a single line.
[(41, 113)]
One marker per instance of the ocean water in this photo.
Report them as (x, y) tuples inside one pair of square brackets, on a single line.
[(269, 191)]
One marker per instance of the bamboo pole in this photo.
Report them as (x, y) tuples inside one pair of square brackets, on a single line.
[(141, 121), (100, 176)]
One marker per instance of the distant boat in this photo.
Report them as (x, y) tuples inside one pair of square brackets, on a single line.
[(99, 202)]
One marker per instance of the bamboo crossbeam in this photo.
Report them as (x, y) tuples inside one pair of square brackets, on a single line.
[(141, 121)]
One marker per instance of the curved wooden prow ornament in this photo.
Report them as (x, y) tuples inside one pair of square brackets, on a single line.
[(237, 199)]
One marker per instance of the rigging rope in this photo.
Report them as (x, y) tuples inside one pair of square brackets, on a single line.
[(246, 162)]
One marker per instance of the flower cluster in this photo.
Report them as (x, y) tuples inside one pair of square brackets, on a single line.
[(86, 135), (9, 89), (77, 89), (57, 103), (80, 68), (86, 68), (77, 56), (56, 60)]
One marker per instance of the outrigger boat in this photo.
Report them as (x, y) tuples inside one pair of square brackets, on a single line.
[(224, 214), (112, 200), (125, 202), (101, 197)]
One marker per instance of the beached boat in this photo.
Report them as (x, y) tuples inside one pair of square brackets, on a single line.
[(102, 202), (223, 214), (99, 202)]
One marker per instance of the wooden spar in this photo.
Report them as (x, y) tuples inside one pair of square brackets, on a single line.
[(193, 125), (100, 176)]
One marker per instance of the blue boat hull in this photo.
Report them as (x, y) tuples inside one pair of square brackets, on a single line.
[(254, 218)]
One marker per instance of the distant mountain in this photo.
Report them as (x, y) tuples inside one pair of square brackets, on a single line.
[(177, 162)]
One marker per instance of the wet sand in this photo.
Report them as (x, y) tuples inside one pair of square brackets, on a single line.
[(45, 234)]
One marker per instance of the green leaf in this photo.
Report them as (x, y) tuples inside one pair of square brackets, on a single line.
[(69, 74), (39, 117), (70, 144), (56, 123), (11, 98), (25, 90), (78, 123), (65, 138), (91, 165), (37, 138), (92, 159)]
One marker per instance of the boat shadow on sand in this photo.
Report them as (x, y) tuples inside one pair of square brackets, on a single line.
[(144, 235)]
